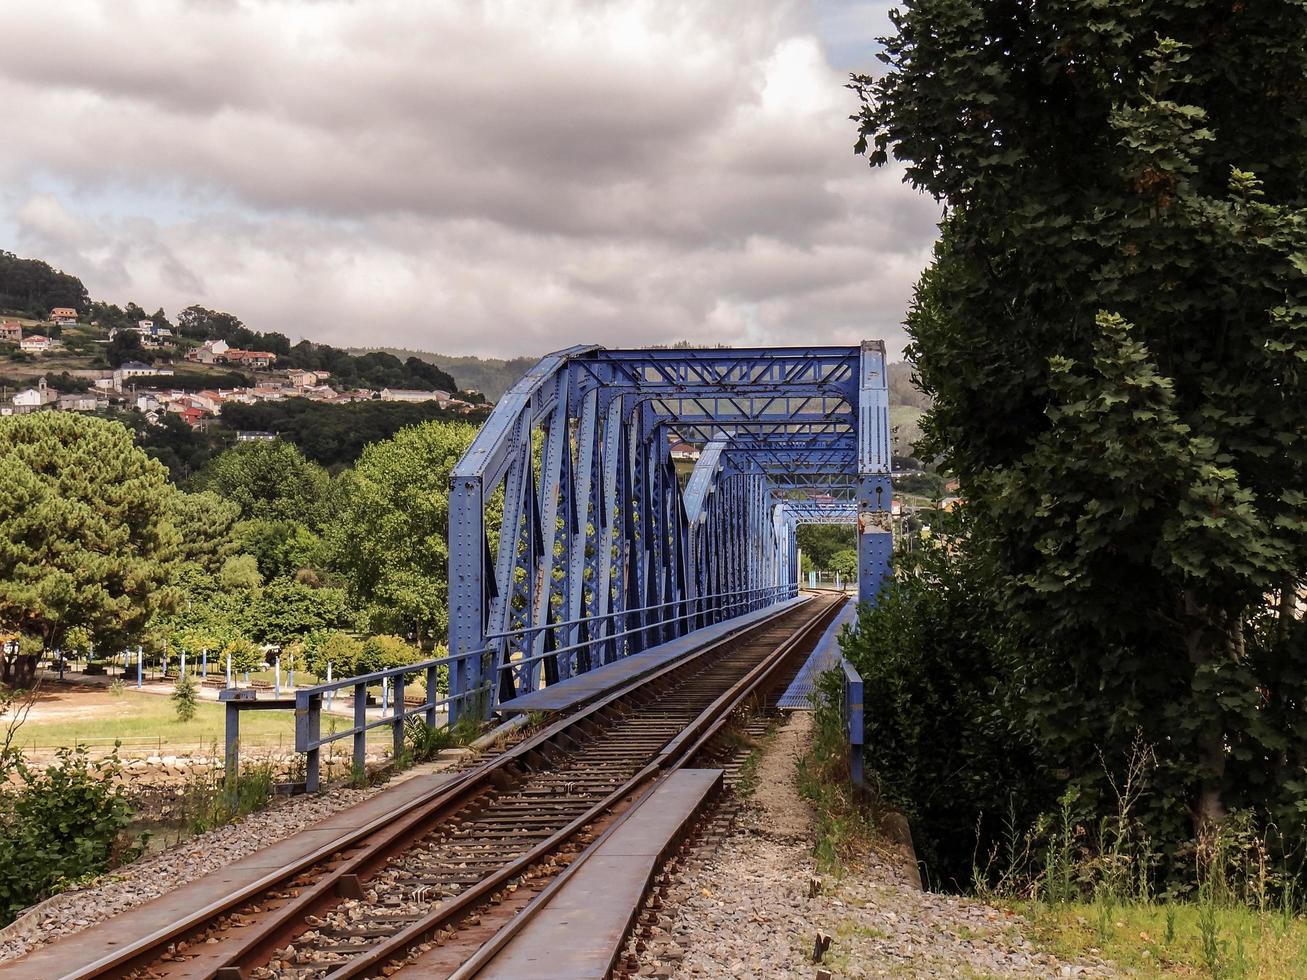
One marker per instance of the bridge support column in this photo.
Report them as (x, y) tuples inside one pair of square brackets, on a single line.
[(875, 495), (875, 536)]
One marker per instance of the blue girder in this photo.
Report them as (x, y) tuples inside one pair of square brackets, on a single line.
[(572, 542)]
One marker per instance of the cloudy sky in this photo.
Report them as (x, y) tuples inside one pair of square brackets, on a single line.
[(491, 178)]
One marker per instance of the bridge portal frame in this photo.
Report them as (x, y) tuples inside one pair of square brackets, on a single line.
[(571, 542)]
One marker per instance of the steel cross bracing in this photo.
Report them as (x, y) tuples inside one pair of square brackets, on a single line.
[(572, 542)]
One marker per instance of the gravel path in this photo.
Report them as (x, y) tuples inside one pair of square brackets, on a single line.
[(152, 876), (746, 912)]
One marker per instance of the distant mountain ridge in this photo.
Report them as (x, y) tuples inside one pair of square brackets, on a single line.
[(491, 376)]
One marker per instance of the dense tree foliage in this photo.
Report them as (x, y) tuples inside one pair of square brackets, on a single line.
[(268, 480), (821, 542), (62, 382), (206, 524), (390, 539), (489, 375), (86, 532), (332, 435), (183, 450), (375, 369), (198, 323), (1113, 335), (126, 346), (32, 287)]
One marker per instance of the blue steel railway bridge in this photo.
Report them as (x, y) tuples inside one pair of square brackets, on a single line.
[(634, 620), (573, 544)]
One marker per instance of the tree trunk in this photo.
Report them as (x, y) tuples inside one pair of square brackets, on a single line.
[(1285, 608), (1206, 642), (19, 671)]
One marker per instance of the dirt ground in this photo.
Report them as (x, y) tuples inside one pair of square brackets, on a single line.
[(55, 701)]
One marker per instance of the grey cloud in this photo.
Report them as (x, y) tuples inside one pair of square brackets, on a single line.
[(491, 178)]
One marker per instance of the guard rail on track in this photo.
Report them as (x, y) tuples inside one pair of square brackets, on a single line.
[(308, 711)]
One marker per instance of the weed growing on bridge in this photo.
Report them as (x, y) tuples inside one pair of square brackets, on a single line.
[(843, 825), (424, 742)]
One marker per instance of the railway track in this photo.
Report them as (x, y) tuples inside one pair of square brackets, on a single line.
[(442, 882)]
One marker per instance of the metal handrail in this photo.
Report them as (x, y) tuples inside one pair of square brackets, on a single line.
[(576, 647), (376, 677), (622, 612)]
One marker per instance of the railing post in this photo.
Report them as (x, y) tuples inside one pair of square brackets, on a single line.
[(432, 695), (360, 730), (232, 744), (308, 731), (397, 732)]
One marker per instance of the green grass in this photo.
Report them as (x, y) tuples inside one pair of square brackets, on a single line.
[(1166, 939), (135, 716), (843, 825)]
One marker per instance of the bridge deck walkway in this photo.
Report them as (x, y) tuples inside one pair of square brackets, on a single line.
[(573, 691), (825, 656)]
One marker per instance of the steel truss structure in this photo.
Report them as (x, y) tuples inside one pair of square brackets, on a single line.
[(573, 543)]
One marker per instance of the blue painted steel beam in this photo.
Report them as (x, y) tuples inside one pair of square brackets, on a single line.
[(599, 552)]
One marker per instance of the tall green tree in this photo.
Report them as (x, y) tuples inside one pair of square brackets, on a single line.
[(1114, 333), (268, 481), (286, 611), (207, 525), (389, 541), (87, 534)]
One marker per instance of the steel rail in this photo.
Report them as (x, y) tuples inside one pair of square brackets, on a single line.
[(380, 838), (710, 719), (673, 757)]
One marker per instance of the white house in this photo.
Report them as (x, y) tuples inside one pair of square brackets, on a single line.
[(152, 337), (136, 369), (210, 352), (35, 344), (304, 379), (34, 399), (413, 395)]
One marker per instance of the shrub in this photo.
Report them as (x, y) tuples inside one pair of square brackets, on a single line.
[(340, 650), (184, 698), (64, 824), (942, 742), (245, 655), (384, 652)]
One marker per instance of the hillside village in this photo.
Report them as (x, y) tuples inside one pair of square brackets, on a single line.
[(147, 385)]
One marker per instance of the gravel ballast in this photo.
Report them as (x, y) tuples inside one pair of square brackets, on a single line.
[(745, 909), (157, 874)]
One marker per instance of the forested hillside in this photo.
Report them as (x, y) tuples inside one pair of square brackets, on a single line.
[(488, 375), (32, 287)]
